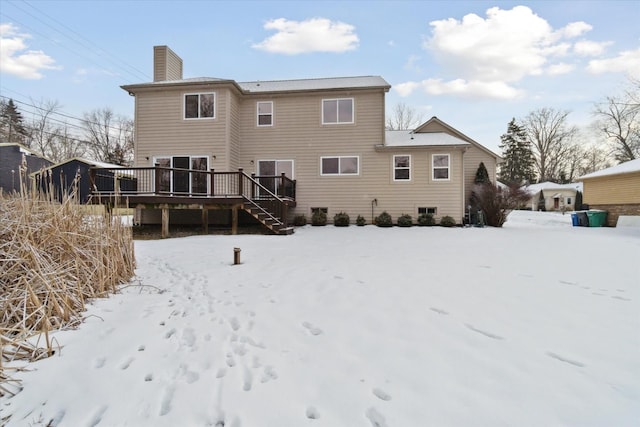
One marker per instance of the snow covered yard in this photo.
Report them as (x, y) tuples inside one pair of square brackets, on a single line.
[(534, 324)]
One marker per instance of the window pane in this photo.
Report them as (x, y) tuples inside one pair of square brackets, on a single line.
[(199, 179), (345, 110), (401, 161), (191, 106), (349, 165), (330, 165), (441, 161), (330, 111), (264, 120), (165, 175), (402, 174), (206, 105), (264, 107), (441, 173)]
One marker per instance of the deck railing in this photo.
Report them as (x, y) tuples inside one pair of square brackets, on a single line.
[(267, 193)]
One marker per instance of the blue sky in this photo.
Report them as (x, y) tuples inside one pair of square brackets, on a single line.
[(473, 64)]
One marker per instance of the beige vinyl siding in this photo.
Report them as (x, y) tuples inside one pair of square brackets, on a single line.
[(234, 134), (166, 64), (612, 189), (472, 159), (162, 131)]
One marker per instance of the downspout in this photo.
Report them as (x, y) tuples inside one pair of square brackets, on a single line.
[(464, 178)]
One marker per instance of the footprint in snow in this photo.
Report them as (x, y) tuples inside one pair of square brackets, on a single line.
[(381, 394), (439, 310), (621, 298), (376, 419), (565, 359), (312, 413), (312, 329), (485, 333)]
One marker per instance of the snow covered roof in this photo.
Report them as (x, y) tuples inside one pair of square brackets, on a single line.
[(315, 84), (626, 167), (281, 85), (548, 185), (407, 138)]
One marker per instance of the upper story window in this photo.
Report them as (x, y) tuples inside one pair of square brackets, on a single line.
[(200, 106), (402, 168), (339, 165), (337, 111), (265, 113), (440, 164)]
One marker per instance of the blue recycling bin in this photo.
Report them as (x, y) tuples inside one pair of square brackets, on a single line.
[(574, 220)]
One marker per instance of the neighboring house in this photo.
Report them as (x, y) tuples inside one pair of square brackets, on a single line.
[(557, 197), (73, 177), (326, 134), (17, 160), (615, 190)]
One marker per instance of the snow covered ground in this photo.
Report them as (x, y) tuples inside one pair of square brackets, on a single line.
[(534, 324)]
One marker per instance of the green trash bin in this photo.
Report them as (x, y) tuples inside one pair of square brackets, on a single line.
[(597, 218)]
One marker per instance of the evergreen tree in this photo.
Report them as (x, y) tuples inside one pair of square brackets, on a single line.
[(12, 128), (482, 175), (519, 162)]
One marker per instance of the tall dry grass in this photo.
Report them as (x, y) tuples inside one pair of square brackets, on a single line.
[(54, 258)]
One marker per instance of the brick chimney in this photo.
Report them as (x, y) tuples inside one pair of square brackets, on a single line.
[(166, 64)]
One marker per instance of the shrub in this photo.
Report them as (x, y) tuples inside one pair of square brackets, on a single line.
[(447, 221), (319, 218), (384, 220), (405, 220), (360, 220), (341, 219), (300, 220), (426, 219), (496, 204)]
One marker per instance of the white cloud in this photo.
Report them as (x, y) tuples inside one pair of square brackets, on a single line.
[(626, 62), (460, 87), (590, 48), (489, 55), (15, 59), (311, 35), (558, 69), (575, 29), (412, 63)]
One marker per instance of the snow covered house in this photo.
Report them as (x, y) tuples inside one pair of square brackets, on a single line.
[(273, 150), (615, 190), (553, 196)]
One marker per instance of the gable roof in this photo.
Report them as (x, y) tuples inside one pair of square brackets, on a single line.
[(434, 124), (626, 167), (552, 186), (274, 86)]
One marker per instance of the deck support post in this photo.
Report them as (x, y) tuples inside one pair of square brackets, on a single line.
[(205, 220), (234, 219), (165, 222)]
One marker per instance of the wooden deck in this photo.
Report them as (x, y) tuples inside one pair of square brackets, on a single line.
[(265, 198)]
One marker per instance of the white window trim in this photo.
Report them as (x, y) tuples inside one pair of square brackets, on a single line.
[(337, 122), (258, 114), (393, 165), (433, 167), (184, 105), (340, 173)]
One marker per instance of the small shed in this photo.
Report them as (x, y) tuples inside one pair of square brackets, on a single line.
[(16, 160), (615, 190), (73, 176)]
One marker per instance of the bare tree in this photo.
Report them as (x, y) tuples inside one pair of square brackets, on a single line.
[(619, 119), (594, 158), (403, 117), (551, 139), (109, 136)]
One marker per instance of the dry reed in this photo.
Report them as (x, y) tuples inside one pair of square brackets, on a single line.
[(53, 259)]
